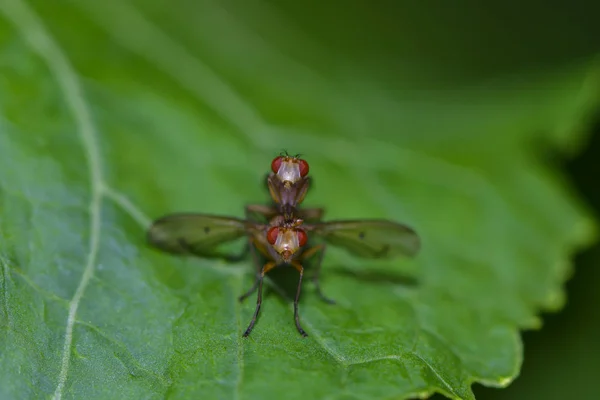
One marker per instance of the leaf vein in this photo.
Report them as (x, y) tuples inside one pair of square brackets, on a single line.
[(123, 348), (375, 359), (437, 374), (122, 201), (48, 295), (5, 280), (35, 33)]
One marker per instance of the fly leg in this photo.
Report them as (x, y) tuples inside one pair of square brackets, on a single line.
[(310, 252), (267, 267), (257, 265), (252, 211), (296, 316)]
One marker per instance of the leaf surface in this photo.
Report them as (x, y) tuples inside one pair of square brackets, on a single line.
[(114, 114)]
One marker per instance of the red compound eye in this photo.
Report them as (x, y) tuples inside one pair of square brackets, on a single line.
[(272, 235), (276, 163), (302, 238), (303, 167)]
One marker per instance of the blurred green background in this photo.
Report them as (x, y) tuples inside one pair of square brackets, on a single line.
[(201, 90)]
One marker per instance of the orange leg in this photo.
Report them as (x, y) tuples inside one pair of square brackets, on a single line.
[(309, 253), (300, 269), (267, 267)]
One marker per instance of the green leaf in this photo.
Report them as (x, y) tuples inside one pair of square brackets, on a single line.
[(117, 112)]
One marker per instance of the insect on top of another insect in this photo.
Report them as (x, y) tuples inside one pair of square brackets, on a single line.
[(288, 182), (283, 236)]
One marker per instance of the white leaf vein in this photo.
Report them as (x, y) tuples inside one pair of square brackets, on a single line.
[(39, 38)]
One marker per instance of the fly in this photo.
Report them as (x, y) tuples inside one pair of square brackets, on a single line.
[(282, 241), (288, 182)]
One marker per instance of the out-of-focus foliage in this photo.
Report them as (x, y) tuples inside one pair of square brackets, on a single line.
[(114, 111)]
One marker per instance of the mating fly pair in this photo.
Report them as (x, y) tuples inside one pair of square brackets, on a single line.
[(281, 232)]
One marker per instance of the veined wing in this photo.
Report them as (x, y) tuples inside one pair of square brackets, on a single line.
[(199, 234), (372, 238)]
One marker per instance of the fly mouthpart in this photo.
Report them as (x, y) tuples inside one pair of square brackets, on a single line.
[(286, 255)]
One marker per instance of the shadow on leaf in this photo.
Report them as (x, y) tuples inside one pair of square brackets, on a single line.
[(375, 276)]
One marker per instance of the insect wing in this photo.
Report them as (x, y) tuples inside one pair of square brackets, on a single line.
[(290, 194), (259, 213), (197, 234), (311, 214), (370, 238)]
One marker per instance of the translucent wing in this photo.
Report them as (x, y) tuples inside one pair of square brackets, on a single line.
[(292, 195), (370, 238), (197, 234)]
